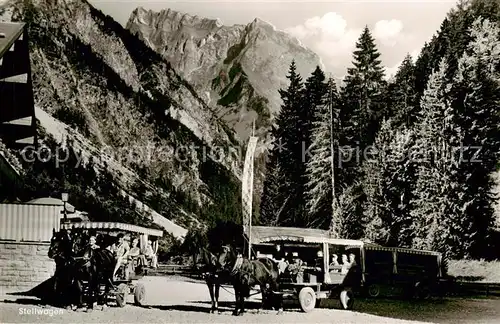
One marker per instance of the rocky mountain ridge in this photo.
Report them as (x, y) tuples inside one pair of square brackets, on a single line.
[(128, 106), (238, 69)]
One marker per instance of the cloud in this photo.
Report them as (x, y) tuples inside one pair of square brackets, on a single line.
[(391, 71), (388, 31), (330, 37), (334, 40)]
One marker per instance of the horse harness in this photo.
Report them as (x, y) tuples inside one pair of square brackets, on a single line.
[(244, 269)]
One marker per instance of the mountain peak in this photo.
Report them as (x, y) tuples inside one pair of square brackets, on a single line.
[(171, 19), (262, 23), (239, 69)]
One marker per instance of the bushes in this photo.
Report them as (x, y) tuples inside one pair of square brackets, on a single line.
[(476, 270)]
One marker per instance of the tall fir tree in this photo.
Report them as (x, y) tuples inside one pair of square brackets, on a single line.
[(375, 185), (476, 91), (315, 90), (321, 173), (363, 99), (288, 197), (388, 182), (363, 104), (436, 211), (272, 200), (401, 97)]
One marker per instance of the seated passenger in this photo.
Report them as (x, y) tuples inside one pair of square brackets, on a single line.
[(122, 251), (335, 261), (93, 243), (150, 254), (319, 261), (296, 268), (334, 264), (345, 264), (352, 260), (135, 253)]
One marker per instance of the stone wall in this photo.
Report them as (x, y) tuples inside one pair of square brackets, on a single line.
[(24, 265)]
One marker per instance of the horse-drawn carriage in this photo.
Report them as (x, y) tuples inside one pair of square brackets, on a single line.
[(325, 268), (130, 269), (307, 273)]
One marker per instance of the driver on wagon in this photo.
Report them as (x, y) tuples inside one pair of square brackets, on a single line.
[(93, 243)]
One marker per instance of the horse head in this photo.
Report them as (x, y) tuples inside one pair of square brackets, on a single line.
[(60, 244), (228, 258), (80, 244)]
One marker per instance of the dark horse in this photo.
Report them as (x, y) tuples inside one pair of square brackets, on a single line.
[(76, 262), (94, 266), (214, 274), (246, 274), (61, 251)]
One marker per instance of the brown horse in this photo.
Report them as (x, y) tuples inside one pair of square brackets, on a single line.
[(246, 274)]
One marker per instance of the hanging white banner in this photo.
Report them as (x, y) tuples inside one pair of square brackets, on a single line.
[(247, 183)]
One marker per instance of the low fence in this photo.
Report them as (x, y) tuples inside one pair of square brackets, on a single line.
[(473, 289), (175, 269)]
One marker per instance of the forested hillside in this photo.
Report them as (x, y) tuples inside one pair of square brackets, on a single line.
[(413, 157)]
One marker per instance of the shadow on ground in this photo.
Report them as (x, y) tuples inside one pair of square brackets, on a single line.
[(205, 306)]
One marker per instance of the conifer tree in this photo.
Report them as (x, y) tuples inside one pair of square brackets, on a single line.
[(321, 171), (476, 91), (388, 183), (436, 211), (272, 200), (315, 90), (363, 98), (375, 183), (287, 196), (402, 103)]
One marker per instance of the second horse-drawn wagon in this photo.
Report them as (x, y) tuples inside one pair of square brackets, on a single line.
[(131, 270), (308, 276), (321, 267)]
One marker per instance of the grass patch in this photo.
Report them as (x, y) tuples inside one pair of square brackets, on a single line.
[(475, 270)]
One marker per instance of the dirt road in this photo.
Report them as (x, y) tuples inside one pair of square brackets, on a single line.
[(176, 300)]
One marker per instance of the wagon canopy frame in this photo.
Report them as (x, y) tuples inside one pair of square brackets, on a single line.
[(266, 234), (114, 226)]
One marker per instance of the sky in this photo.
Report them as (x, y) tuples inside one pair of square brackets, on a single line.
[(328, 27)]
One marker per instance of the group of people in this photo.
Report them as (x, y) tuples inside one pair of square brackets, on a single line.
[(347, 263), (293, 265), (125, 253), (139, 257)]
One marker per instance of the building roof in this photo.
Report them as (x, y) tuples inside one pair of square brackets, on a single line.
[(12, 31), (51, 201)]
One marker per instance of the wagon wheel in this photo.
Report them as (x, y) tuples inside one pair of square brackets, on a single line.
[(346, 299), (307, 299), (373, 290), (423, 291), (121, 295), (139, 294)]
